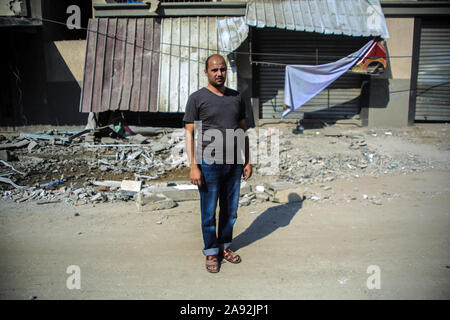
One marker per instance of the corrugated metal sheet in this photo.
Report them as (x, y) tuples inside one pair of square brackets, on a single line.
[(433, 82), (349, 17), (232, 32), (340, 100), (185, 44), (121, 65)]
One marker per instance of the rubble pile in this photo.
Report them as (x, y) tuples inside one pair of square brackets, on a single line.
[(66, 166), (89, 166), (353, 156)]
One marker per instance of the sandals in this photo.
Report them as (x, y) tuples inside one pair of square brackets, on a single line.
[(231, 256), (212, 261), (212, 264)]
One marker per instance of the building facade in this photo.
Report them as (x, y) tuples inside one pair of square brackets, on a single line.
[(42, 61), (145, 58)]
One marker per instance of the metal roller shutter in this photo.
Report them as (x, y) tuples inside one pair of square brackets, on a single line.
[(433, 80), (341, 100)]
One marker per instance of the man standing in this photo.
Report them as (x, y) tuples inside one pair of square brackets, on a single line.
[(214, 112)]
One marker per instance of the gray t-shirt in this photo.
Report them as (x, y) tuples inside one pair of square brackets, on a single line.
[(219, 116)]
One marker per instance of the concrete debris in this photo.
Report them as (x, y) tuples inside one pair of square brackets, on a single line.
[(32, 145), (6, 180), (137, 139), (259, 188), (93, 164), (108, 140), (5, 155), (263, 196), (10, 166), (16, 145), (158, 147), (44, 136), (97, 197), (245, 201), (245, 188), (153, 202)]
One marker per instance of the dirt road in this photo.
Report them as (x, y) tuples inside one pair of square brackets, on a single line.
[(309, 250)]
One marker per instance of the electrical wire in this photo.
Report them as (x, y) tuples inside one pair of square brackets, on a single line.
[(237, 52), (219, 50)]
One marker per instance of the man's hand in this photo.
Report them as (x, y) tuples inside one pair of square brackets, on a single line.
[(196, 176), (247, 171)]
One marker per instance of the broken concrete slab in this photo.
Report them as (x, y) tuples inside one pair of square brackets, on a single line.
[(5, 155), (89, 138), (44, 136), (137, 139), (98, 197), (176, 193), (182, 195), (134, 155), (32, 145), (108, 140), (158, 147), (262, 195), (284, 192), (144, 199), (17, 145), (152, 202), (244, 202), (107, 183), (130, 185)]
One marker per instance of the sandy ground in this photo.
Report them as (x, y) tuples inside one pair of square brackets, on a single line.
[(325, 249), (309, 250)]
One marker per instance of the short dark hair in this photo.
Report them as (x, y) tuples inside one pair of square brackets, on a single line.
[(213, 55)]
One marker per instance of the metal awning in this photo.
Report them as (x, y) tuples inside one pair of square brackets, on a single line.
[(147, 64), (357, 18), (122, 65)]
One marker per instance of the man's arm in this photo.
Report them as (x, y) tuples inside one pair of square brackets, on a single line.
[(195, 173), (247, 165)]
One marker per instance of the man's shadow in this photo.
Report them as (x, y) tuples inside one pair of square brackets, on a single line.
[(269, 221)]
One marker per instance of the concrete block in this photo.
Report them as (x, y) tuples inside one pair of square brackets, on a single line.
[(137, 139), (284, 192), (90, 138), (274, 188), (129, 185), (152, 202), (182, 195), (5, 155), (161, 205), (17, 145), (108, 140), (289, 195), (32, 145)]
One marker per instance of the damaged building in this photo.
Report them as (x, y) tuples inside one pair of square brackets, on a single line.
[(142, 59)]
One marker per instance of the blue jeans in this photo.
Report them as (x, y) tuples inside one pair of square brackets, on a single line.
[(221, 182)]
